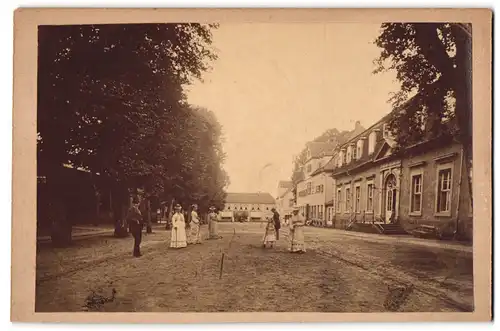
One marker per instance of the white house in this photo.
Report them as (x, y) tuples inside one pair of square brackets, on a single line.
[(256, 205)]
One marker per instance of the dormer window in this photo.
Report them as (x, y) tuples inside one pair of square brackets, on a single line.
[(354, 153), (359, 147), (344, 157), (385, 131), (308, 168), (349, 154), (371, 142)]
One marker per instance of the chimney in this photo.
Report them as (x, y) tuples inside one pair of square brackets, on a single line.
[(357, 126)]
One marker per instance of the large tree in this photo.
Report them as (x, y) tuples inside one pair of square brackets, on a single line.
[(433, 62), (110, 100)]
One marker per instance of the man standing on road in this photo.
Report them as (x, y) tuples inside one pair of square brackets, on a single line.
[(134, 219), (277, 223)]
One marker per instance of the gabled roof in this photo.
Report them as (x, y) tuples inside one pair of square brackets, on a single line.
[(286, 192), (320, 149), (250, 198)]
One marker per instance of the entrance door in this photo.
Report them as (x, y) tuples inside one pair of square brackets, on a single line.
[(390, 197)]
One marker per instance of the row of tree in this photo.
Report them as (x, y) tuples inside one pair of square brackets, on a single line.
[(111, 101)]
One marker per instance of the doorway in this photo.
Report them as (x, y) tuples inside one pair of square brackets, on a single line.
[(390, 190)]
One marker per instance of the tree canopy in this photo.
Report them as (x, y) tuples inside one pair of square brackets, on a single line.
[(111, 100), (434, 67), (433, 62)]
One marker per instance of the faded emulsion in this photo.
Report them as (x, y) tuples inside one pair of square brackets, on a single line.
[(229, 168)]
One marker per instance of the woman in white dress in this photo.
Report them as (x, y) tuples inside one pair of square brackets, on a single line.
[(178, 236), (195, 235), (213, 219), (297, 241)]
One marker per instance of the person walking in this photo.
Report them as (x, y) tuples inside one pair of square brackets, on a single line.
[(134, 219), (178, 235), (277, 223)]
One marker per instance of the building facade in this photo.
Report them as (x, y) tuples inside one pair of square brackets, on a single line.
[(315, 192), (252, 206), (285, 203), (426, 184)]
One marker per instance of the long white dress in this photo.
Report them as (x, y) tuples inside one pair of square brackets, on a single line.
[(297, 241), (195, 235), (178, 236), (213, 219), (270, 234)]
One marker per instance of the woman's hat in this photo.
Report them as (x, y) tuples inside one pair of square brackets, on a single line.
[(178, 206), (295, 208), (194, 205), (211, 208)]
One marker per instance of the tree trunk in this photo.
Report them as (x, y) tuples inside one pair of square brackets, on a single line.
[(168, 226), (61, 227), (149, 228)]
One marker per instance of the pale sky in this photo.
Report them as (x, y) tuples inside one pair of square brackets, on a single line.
[(277, 86)]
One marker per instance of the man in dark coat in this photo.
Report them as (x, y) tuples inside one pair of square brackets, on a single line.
[(134, 218), (277, 223)]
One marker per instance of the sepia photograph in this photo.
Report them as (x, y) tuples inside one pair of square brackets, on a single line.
[(244, 167)]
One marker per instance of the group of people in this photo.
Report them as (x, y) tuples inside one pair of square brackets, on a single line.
[(181, 235), (296, 225)]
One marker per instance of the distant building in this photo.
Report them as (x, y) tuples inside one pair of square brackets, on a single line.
[(285, 199), (284, 186), (255, 205)]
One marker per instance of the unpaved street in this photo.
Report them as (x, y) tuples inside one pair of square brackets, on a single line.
[(341, 272)]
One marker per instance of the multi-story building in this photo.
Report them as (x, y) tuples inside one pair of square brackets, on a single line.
[(285, 199), (426, 184), (255, 205), (315, 192)]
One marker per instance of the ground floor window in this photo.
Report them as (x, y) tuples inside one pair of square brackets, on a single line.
[(369, 197), (443, 196), (347, 199), (416, 192), (357, 197)]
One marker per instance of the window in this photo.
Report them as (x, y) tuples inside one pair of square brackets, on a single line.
[(344, 157), (308, 168), (354, 153), (309, 188), (359, 148), (371, 142), (349, 154), (347, 199), (385, 131), (357, 201), (339, 199), (416, 193), (443, 201), (369, 197)]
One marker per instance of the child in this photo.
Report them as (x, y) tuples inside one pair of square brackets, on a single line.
[(270, 235)]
